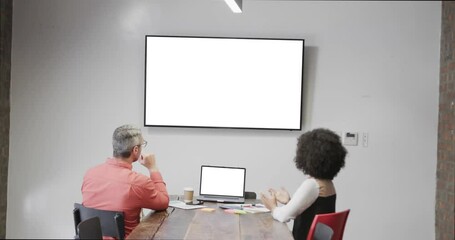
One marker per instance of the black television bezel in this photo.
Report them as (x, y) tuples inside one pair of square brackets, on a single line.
[(223, 127)]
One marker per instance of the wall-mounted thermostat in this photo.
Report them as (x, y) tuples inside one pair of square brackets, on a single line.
[(350, 138)]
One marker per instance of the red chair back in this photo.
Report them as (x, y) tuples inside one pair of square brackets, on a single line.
[(336, 221)]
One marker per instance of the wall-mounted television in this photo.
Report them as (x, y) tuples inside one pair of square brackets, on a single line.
[(223, 82)]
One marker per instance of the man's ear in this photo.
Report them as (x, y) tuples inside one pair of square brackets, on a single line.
[(135, 149)]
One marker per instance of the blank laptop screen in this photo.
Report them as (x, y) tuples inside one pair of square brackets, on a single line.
[(223, 181)]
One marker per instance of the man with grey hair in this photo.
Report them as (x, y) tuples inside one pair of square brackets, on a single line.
[(114, 186)]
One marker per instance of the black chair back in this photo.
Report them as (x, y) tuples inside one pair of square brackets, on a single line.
[(112, 222), (90, 229)]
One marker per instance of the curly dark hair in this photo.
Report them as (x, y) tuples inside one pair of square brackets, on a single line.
[(320, 154)]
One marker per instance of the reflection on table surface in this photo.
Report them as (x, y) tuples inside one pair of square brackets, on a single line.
[(175, 223)]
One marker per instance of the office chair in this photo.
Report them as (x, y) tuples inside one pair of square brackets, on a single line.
[(112, 222), (335, 221), (250, 195), (90, 229), (322, 232)]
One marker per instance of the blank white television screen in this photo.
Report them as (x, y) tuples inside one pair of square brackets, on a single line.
[(223, 82), (223, 181)]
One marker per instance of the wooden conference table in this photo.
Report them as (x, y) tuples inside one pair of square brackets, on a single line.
[(175, 223)]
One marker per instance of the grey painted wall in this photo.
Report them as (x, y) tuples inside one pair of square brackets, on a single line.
[(77, 73)]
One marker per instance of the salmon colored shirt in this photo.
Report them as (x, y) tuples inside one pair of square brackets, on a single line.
[(114, 186)]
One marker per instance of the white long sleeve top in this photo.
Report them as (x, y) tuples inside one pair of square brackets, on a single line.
[(302, 199)]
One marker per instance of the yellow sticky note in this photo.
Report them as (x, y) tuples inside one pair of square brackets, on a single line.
[(208, 209), (239, 211)]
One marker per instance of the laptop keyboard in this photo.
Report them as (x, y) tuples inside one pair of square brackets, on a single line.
[(224, 197)]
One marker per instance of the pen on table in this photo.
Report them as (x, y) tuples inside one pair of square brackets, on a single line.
[(247, 205)]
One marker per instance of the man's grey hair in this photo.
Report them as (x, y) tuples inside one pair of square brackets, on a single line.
[(124, 139)]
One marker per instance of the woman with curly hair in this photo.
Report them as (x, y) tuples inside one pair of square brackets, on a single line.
[(320, 155)]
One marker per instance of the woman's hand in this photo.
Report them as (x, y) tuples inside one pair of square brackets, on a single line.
[(269, 201), (281, 195)]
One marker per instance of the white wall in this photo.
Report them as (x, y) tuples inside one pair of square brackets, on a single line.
[(78, 72)]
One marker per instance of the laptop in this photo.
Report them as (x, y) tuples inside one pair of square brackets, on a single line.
[(222, 184)]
